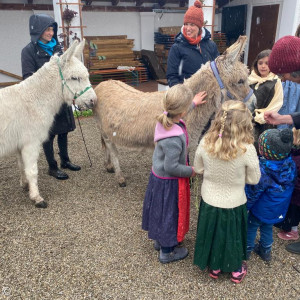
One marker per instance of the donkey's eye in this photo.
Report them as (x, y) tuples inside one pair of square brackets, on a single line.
[(241, 81), (76, 78)]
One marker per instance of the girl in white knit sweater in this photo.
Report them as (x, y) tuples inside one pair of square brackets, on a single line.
[(227, 159)]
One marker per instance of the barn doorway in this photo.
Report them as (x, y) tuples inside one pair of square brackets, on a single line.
[(263, 29), (234, 22)]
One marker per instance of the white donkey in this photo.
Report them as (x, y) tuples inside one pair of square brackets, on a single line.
[(126, 116), (28, 110)]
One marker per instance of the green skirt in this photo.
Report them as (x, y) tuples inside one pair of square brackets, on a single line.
[(221, 241)]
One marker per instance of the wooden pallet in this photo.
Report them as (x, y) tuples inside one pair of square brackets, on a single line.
[(131, 76), (164, 39), (173, 30), (105, 55)]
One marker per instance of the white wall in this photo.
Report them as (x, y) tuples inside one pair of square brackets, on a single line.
[(290, 16), (167, 19), (14, 30), (113, 23)]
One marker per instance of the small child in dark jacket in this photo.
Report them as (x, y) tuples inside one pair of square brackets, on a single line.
[(268, 201)]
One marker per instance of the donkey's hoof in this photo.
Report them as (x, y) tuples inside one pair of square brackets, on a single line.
[(122, 184), (110, 170), (42, 204)]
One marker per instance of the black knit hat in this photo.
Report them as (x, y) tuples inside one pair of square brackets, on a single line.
[(275, 144)]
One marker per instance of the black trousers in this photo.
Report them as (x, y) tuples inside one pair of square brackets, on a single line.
[(62, 141), (292, 218)]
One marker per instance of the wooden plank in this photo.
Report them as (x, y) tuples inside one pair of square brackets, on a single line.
[(116, 71), (5, 84), (113, 54), (112, 42), (108, 47), (105, 37), (113, 65), (173, 30), (11, 74), (124, 62), (110, 55)]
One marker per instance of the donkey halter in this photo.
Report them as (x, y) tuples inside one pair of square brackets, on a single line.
[(64, 83), (215, 70)]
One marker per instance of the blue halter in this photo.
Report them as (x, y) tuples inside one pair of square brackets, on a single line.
[(215, 70)]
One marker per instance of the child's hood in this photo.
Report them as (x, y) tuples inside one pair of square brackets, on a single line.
[(254, 78), (281, 171), (162, 133), (38, 24)]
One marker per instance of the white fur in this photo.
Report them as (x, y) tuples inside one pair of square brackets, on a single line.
[(28, 110)]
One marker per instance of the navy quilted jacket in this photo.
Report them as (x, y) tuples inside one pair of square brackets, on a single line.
[(185, 59)]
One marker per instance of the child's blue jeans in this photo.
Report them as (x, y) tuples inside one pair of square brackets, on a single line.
[(266, 234)]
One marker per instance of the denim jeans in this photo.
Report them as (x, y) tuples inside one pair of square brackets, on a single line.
[(266, 234)]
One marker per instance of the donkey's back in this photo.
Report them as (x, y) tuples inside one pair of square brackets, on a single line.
[(134, 127)]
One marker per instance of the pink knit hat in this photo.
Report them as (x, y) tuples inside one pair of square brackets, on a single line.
[(194, 14), (285, 55)]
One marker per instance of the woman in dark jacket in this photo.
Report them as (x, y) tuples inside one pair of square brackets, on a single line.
[(192, 48), (44, 44)]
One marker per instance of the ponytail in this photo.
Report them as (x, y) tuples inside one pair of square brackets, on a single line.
[(165, 120)]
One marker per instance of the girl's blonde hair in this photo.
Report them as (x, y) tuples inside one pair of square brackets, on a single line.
[(296, 135), (176, 101), (230, 130)]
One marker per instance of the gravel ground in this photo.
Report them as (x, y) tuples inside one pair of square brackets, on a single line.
[(88, 244)]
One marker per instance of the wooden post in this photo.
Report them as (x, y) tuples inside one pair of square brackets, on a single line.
[(75, 28)]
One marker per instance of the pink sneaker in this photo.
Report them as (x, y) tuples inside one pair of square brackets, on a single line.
[(238, 276), (214, 273), (288, 236)]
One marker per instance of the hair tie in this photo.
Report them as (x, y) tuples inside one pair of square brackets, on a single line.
[(165, 113)]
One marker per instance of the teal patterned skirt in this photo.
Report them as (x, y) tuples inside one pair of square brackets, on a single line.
[(221, 241)]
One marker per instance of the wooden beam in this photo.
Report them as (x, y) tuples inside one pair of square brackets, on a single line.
[(89, 7), (10, 74), (115, 2), (5, 84), (221, 3), (144, 1), (116, 8), (139, 2), (182, 3), (162, 3), (8, 6)]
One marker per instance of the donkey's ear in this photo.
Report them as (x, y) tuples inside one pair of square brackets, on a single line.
[(234, 52), (69, 53), (79, 49)]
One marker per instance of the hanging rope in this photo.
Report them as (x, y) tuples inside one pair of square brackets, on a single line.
[(87, 152)]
